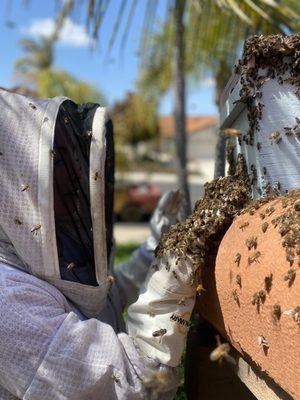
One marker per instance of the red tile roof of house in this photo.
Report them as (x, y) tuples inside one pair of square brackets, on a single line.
[(193, 124)]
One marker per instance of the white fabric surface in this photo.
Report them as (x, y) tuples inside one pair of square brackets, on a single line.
[(166, 302), (48, 352)]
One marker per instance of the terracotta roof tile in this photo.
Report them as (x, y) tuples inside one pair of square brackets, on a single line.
[(193, 124)]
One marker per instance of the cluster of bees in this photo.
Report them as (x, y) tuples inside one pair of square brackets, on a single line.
[(201, 233), (288, 226), (264, 58)]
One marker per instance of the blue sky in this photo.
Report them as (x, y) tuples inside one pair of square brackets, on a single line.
[(113, 77)]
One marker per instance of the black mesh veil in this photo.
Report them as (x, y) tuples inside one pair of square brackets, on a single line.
[(72, 210)]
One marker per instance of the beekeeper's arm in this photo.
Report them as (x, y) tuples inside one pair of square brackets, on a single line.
[(48, 353), (131, 274)]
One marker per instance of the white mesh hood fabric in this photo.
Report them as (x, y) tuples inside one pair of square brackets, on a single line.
[(27, 228)]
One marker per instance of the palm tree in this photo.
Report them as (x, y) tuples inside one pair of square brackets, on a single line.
[(39, 57), (37, 71)]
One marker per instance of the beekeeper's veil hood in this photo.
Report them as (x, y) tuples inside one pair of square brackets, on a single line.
[(56, 196)]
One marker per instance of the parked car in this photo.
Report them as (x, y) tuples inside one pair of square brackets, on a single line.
[(135, 202)]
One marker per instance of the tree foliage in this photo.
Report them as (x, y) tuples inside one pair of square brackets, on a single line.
[(214, 36), (135, 119), (36, 70)]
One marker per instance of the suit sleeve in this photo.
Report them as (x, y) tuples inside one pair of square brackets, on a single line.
[(48, 353)]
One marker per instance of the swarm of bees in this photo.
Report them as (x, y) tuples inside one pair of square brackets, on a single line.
[(200, 234), (264, 59)]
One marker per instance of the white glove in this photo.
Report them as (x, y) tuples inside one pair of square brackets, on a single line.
[(159, 320), (164, 216)]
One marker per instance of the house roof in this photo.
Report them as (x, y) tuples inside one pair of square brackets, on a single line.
[(193, 124)]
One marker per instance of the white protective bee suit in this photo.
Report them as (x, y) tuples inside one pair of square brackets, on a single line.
[(60, 327)]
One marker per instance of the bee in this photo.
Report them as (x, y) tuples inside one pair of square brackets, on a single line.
[(96, 175), (284, 229), (288, 131), (192, 281), (290, 276), (175, 274), (89, 133), (296, 315), (276, 311), (258, 146), (182, 301), (163, 377), (151, 314), (264, 227), (254, 258), (155, 267), (238, 280), (159, 333), (262, 215), (200, 289), (33, 106), (71, 265), (268, 282), (232, 132), (110, 280), (116, 379), (262, 341), (244, 225), (235, 296), (35, 229), (221, 352), (237, 259), (258, 297), (152, 380), (270, 211), (251, 242), (17, 221), (274, 135), (24, 187), (297, 205)]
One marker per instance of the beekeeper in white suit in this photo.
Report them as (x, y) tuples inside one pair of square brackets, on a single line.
[(61, 333)]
